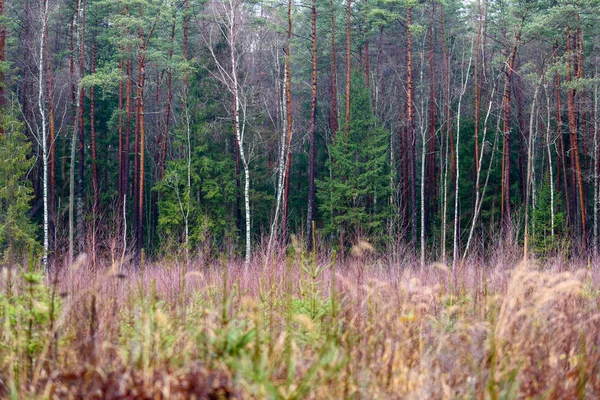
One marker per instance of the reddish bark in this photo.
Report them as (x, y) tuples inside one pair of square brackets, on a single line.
[(313, 123), (2, 55), (576, 177), (93, 134), (334, 102), (348, 67)]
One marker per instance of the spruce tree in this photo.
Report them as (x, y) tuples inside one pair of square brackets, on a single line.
[(17, 232), (354, 199)]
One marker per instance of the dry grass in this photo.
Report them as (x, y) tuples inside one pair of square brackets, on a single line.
[(303, 329)]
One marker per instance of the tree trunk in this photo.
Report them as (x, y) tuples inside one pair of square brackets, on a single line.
[(505, 205), (313, 124), (121, 149), (81, 141), (430, 178), (96, 205), (165, 138), (528, 179), (334, 101), (550, 165), (2, 56), (142, 139), (477, 88), (74, 104), (411, 131), (93, 135), (596, 175), (576, 177), (348, 68), (561, 161), (448, 139), (51, 155), (44, 139), (288, 106)]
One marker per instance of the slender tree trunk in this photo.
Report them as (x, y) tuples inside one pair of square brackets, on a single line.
[(43, 137), (477, 88), (51, 155), (288, 106), (281, 159), (81, 141), (506, 105), (479, 195), (430, 178), (313, 124), (523, 134), (456, 251), (594, 243), (165, 138), (528, 181), (574, 150), (379, 91), (448, 139), (74, 104), (411, 131), (334, 101), (121, 148), (94, 149), (348, 67), (550, 165), (561, 160), (141, 138), (96, 188), (2, 56)]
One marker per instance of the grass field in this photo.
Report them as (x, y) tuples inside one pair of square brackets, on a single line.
[(303, 328)]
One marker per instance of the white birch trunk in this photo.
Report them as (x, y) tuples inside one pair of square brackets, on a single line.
[(550, 165), (529, 168), (44, 134), (281, 168), (456, 251)]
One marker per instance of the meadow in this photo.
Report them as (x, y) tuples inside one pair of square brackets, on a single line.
[(303, 327)]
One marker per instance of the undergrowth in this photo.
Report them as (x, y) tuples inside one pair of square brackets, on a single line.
[(299, 328)]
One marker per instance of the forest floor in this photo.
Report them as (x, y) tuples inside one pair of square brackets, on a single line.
[(303, 328)]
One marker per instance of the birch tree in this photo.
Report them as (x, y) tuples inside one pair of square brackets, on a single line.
[(229, 19)]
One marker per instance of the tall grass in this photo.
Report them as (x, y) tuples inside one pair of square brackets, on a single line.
[(302, 327)]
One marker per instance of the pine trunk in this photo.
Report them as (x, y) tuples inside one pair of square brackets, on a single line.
[(410, 133), (313, 123), (81, 140), (334, 101), (2, 56), (348, 68)]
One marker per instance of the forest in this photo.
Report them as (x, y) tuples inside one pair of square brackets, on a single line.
[(330, 186)]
